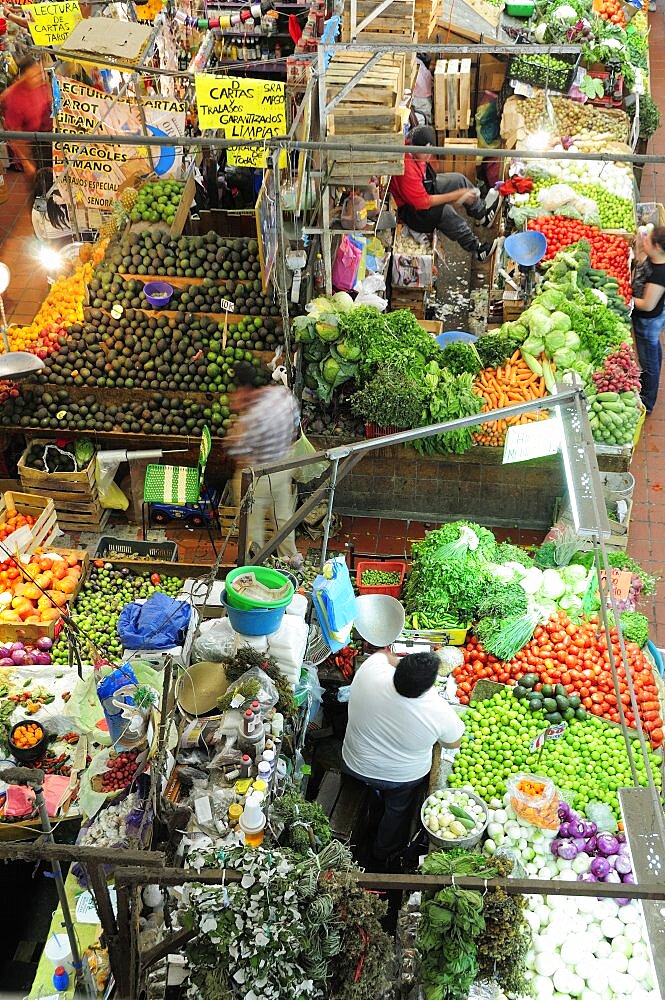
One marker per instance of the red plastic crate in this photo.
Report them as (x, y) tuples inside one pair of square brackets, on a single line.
[(374, 431), (394, 566)]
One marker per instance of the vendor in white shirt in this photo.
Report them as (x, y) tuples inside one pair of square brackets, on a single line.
[(395, 717)]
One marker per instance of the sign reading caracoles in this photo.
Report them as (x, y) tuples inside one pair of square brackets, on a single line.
[(53, 23), (242, 109), (100, 169)]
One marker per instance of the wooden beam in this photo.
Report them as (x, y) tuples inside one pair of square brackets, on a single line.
[(106, 915), (412, 883), (166, 947), (38, 850)]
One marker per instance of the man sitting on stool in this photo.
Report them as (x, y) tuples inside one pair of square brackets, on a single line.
[(425, 199), (395, 717)]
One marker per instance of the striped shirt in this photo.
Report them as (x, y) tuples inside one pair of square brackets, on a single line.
[(266, 430)]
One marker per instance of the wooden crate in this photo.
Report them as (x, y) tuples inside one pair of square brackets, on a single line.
[(452, 95), (20, 631), (456, 163), (513, 307), (354, 160), (398, 18), (44, 530), (409, 298), (67, 482)]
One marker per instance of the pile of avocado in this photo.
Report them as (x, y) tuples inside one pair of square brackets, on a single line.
[(552, 699), (186, 256), (108, 290)]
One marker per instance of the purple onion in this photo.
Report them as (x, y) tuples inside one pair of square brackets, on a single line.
[(589, 828), (567, 851), (42, 659), (607, 844), (29, 660), (600, 867), (590, 844), (19, 656), (622, 901), (587, 877), (612, 876), (554, 846), (564, 811), (6, 661), (580, 844), (629, 878), (15, 646), (44, 645), (564, 830), (576, 828), (623, 864), (5, 651), (621, 837)]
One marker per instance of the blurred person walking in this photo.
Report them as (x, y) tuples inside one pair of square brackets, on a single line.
[(266, 427)]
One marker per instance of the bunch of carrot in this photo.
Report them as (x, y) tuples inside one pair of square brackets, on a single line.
[(511, 383)]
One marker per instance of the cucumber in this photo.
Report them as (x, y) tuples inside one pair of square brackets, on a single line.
[(608, 397), (463, 816), (613, 405)]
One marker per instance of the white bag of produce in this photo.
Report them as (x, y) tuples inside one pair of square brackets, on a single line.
[(289, 642)]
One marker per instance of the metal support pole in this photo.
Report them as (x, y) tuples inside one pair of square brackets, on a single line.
[(280, 277), (331, 500), (141, 110), (243, 522)]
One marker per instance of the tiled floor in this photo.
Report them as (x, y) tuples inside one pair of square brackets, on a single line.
[(28, 285)]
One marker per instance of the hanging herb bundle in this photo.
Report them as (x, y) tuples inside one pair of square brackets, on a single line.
[(247, 657), (306, 826), (291, 927), (466, 936)]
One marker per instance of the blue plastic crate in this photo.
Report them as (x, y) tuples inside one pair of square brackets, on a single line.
[(160, 512)]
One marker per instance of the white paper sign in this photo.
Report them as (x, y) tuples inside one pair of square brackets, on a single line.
[(86, 912), (536, 440)]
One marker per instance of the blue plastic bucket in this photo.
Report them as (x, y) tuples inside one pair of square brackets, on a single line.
[(258, 621), (455, 335), (657, 658)]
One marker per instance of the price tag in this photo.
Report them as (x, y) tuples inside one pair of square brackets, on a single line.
[(620, 581), (536, 440), (551, 733), (228, 306)]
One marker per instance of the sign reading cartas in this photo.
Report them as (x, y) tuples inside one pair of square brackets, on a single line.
[(53, 23), (242, 109), (98, 171)]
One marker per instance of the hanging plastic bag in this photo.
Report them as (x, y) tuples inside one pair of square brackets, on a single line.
[(214, 642), (254, 684), (347, 262), (303, 448), (335, 602), (308, 688), (110, 495)]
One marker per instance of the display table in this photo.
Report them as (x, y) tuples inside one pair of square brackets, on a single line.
[(87, 934)]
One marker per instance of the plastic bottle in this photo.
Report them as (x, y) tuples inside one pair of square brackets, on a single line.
[(235, 812), (253, 822), (319, 274), (245, 765), (268, 757), (264, 771), (61, 979), (248, 723)]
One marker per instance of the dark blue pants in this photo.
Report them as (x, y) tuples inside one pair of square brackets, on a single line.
[(398, 799), (650, 354)]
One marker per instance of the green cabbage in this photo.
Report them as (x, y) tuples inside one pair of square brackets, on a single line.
[(327, 331), (564, 358), (554, 341), (560, 321), (348, 351), (533, 346), (551, 299), (343, 301)]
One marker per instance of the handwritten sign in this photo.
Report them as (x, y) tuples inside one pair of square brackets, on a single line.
[(242, 109), (228, 306), (100, 170), (620, 580), (53, 23), (536, 440)]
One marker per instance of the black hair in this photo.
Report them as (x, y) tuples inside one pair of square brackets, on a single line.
[(25, 63), (57, 214), (658, 236), (244, 375), (422, 135), (415, 674)]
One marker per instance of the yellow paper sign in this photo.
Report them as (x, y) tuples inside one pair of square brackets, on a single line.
[(53, 23), (242, 109)]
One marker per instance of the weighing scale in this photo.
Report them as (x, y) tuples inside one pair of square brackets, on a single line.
[(526, 249), (14, 364)]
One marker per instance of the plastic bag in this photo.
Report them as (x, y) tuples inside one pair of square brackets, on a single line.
[(49, 457), (214, 642), (335, 602), (347, 261), (354, 213), (160, 623), (302, 448), (267, 695), (310, 686), (110, 495), (601, 814), (368, 290)]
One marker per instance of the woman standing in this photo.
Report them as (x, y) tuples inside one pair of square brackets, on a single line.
[(26, 107), (649, 316)]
